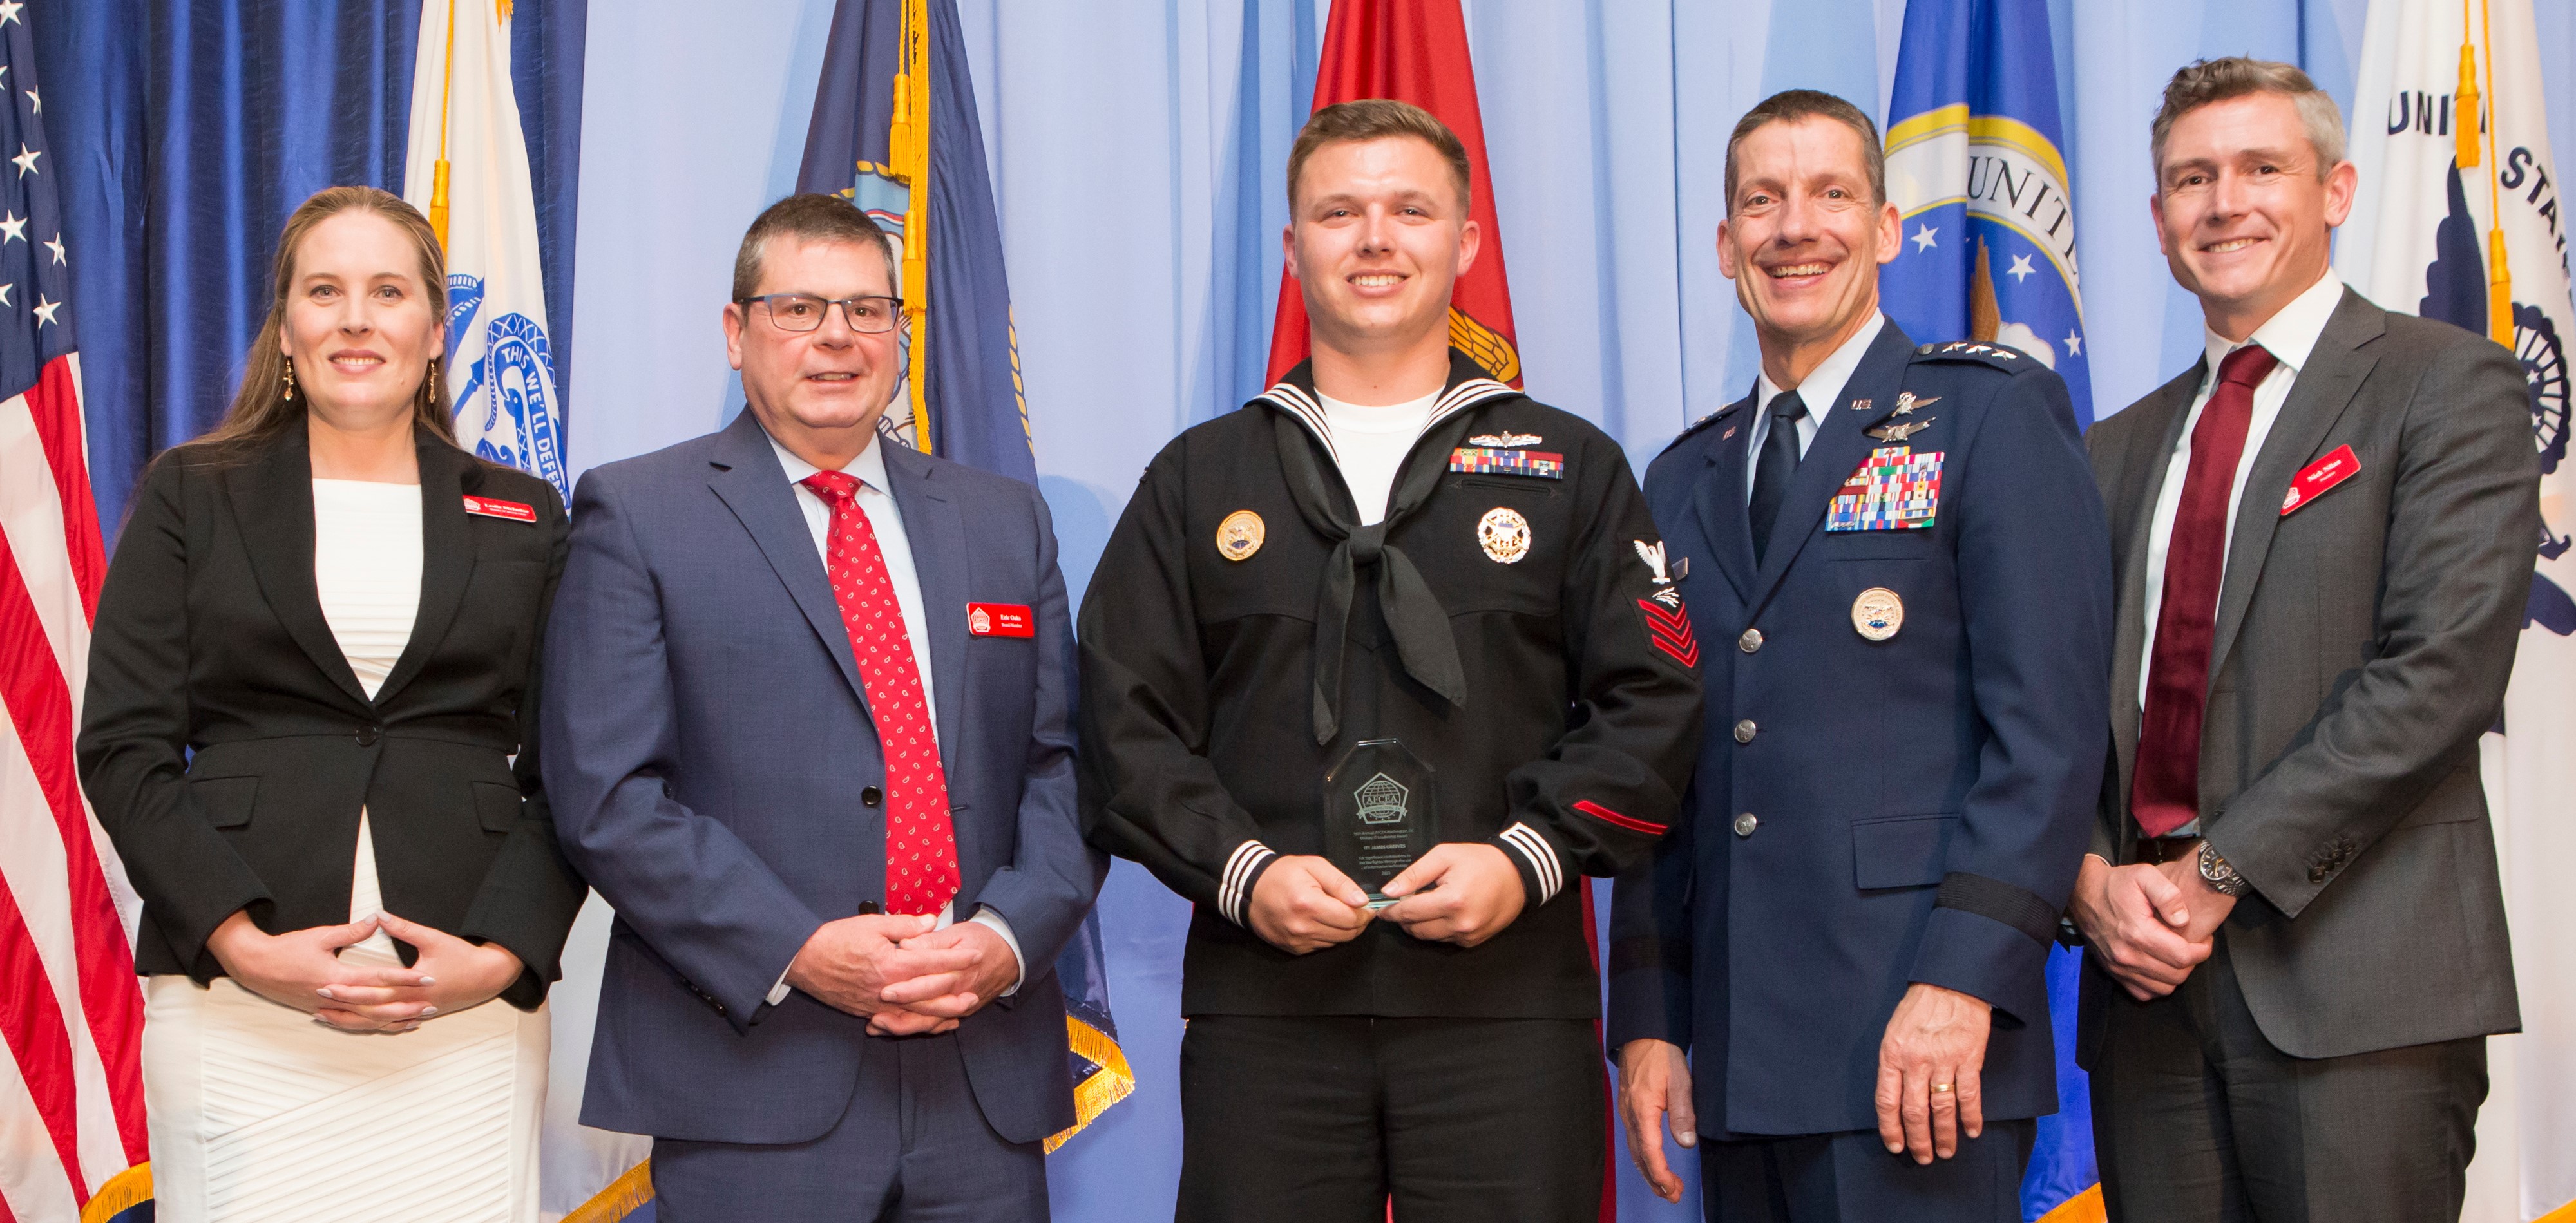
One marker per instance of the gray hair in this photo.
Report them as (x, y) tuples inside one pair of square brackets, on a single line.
[(2204, 82)]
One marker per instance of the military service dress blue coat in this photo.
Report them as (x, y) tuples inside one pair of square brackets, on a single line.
[(1906, 728)]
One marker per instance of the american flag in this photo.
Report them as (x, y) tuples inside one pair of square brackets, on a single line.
[(71, 1011)]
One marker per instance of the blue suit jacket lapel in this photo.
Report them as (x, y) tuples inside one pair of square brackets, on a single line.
[(1719, 496), (1839, 447), (937, 531), (754, 487)]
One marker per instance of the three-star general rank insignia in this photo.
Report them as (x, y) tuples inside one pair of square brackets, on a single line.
[(1499, 461), (1894, 489)]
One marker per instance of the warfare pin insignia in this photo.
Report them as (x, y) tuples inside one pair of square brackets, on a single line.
[(1504, 535)]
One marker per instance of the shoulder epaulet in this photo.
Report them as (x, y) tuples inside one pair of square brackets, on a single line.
[(1998, 356), (1697, 425)]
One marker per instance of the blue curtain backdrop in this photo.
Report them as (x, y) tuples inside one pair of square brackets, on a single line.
[(1138, 150), (188, 132)]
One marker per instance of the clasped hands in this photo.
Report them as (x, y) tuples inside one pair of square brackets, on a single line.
[(2150, 925), (902, 975), (301, 969), (1460, 892)]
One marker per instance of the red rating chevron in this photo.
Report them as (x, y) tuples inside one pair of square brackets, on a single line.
[(1670, 629)]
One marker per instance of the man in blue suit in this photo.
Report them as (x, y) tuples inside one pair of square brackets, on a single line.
[(809, 737), (1831, 977)]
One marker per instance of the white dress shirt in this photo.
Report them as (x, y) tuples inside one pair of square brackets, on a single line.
[(886, 519), (1370, 444), (1823, 386), (2290, 335)]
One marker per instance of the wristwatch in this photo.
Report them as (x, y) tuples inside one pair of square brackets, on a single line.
[(2221, 877)]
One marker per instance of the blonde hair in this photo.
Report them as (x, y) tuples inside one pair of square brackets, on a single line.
[(260, 409)]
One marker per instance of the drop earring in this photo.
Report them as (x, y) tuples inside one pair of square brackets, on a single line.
[(289, 380)]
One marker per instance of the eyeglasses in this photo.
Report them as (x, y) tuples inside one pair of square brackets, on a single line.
[(804, 311)]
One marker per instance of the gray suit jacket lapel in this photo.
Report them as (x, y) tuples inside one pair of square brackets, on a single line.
[(937, 532), (754, 487), (2326, 385)]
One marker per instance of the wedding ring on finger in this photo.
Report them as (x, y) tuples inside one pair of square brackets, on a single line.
[(1939, 1088)]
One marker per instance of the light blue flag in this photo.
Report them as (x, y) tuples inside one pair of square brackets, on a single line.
[(1973, 164)]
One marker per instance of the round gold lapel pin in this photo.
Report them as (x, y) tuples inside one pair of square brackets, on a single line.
[(1240, 535), (1503, 534), (1878, 613)]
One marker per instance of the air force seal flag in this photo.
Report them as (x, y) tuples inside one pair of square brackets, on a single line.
[(1973, 166)]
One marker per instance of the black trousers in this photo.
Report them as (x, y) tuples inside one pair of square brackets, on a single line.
[(2198, 1119), (1851, 1178), (1325, 1119)]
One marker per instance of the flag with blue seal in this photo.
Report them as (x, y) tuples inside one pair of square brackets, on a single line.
[(468, 171), (1973, 165), (895, 132)]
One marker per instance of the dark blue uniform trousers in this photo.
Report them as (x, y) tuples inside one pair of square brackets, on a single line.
[(1850, 1178), (912, 1148)]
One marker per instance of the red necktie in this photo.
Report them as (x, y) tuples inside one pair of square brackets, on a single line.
[(2165, 794), (920, 843)]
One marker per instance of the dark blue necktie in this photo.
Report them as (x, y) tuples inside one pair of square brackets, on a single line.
[(1771, 472)]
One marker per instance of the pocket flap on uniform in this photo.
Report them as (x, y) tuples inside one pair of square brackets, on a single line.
[(1908, 851), (497, 805), (225, 800)]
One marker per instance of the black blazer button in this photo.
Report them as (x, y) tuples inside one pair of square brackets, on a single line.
[(367, 735), (871, 796)]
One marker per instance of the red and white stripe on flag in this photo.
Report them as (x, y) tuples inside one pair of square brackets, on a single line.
[(71, 1009)]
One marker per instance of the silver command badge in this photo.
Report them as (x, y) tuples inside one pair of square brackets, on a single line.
[(1878, 613), (1503, 534), (1240, 535)]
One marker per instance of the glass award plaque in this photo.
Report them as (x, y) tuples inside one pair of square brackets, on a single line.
[(1381, 812)]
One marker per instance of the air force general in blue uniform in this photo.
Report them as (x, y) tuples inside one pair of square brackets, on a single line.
[(1905, 738)]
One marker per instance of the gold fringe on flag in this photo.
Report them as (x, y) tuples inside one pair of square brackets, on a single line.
[(623, 1196), (122, 1192), (2499, 272), (1106, 1086)]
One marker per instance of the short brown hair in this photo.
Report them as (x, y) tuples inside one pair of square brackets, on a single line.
[(1377, 119), (2204, 82), (813, 217), (1793, 105), (262, 408)]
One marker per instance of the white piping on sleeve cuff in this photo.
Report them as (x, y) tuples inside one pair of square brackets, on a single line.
[(1542, 859), (1233, 891)]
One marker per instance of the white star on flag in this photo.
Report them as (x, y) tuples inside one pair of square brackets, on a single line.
[(2074, 344), (45, 309), (34, 101), (13, 228), (2020, 269), (1923, 238), (4, 293), (56, 246), (26, 160), (9, 11)]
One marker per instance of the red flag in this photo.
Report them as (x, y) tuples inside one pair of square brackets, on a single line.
[(1416, 51)]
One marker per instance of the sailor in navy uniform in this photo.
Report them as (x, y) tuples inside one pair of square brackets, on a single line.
[(1848, 929)]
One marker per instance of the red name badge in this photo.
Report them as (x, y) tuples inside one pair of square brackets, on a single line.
[(1000, 620), (490, 508), (2321, 475)]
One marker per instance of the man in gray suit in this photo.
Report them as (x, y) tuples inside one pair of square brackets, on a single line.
[(2323, 548)]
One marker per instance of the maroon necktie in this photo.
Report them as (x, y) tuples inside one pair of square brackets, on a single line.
[(920, 844), (2166, 792)]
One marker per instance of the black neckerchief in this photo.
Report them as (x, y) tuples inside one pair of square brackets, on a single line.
[(1414, 616)]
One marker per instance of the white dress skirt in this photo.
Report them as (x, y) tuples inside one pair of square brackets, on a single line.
[(261, 1114)]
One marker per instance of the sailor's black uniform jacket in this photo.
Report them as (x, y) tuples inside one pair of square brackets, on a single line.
[(1565, 735)]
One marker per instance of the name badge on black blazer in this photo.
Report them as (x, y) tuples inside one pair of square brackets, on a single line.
[(490, 507)]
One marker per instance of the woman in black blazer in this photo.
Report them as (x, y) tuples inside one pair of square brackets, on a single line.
[(309, 732)]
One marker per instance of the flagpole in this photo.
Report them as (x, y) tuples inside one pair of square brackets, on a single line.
[(908, 147), (446, 106), (2499, 273)]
